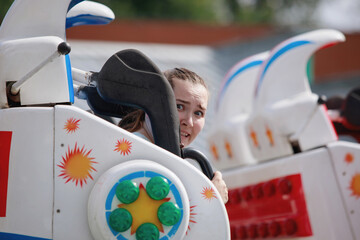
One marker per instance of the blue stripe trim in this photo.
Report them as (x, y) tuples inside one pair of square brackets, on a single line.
[(177, 197), (111, 194), (12, 236), (240, 70), (278, 54), (107, 215), (150, 174), (176, 226), (132, 176), (69, 77), (110, 197), (141, 174), (87, 19), (120, 237), (154, 174), (73, 3)]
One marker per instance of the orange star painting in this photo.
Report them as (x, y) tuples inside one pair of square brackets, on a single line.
[(208, 193), (72, 125), (349, 158), (123, 146), (254, 137), (270, 136), (214, 152), (355, 185), (77, 165), (228, 149), (192, 217)]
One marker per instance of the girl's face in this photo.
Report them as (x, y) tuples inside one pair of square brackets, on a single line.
[(191, 101)]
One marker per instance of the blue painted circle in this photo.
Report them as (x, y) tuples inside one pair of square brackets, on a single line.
[(142, 174)]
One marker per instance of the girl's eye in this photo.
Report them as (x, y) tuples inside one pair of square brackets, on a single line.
[(199, 113), (179, 106)]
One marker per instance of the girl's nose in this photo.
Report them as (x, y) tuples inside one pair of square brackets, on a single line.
[(187, 120)]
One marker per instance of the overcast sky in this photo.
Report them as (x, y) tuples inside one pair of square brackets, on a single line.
[(343, 15)]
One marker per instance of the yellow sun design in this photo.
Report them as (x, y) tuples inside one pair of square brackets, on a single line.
[(123, 146), (71, 125), (144, 210), (208, 193), (192, 217), (349, 158), (77, 165), (355, 185)]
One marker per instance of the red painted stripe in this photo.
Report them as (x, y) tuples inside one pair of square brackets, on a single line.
[(5, 144)]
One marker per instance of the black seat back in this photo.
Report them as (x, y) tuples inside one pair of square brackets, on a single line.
[(129, 78)]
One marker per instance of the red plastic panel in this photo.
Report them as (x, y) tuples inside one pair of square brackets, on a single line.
[(275, 208), (5, 144)]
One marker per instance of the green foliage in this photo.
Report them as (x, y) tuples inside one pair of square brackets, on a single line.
[(199, 10), (259, 11), (5, 5), (210, 11), (196, 10)]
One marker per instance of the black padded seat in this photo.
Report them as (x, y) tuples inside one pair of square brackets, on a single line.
[(130, 80), (101, 107)]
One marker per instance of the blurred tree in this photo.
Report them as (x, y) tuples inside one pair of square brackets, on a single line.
[(256, 11), (210, 11), (5, 5), (199, 10), (294, 12)]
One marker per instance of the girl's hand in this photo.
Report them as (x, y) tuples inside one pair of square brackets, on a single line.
[(220, 186)]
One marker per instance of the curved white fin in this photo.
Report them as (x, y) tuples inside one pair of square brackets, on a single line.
[(239, 83), (35, 18), (89, 13), (284, 73)]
